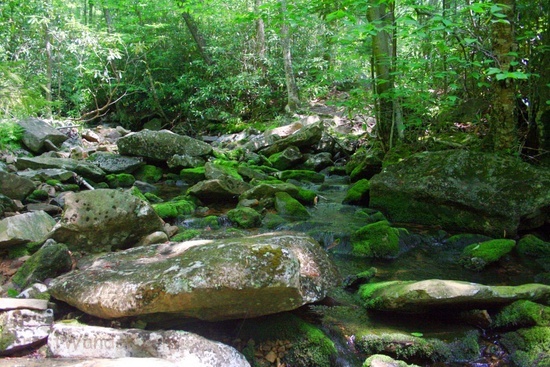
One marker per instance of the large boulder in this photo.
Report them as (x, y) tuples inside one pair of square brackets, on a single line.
[(22, 328), (437, 294), (83, 168), (24, 228), (464, 191), (307, 137), (114, 163), (161, 145), (104, 220), (182, 348), (39, 136), (209, 280), (15, 186), (225, 188)]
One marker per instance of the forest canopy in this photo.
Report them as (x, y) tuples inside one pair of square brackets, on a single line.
[(419, 66)]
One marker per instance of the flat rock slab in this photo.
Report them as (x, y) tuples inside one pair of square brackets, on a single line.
[(83, 168), (24, 228), (23, 328), (437, 294), (209, 280), (183, 348), (16, 303)]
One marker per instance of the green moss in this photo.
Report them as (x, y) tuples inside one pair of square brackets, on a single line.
[(310, 346), (366, 291), (478, 255), (531, 245), (529, 347), (186, 235), (38, 195), (193, 175), (228, 168), (149, 173), (137, 193), (69, 187), (120, 180), (306, 196), (273, 221), (358, 193), (465, 239), (52, 182), (290, 208), (152, 198), (26, 249), (301, 175), (521, 314), (384, 360), (245, 217), (376, 240), (174, 209)]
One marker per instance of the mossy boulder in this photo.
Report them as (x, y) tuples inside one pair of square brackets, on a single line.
[(464, 191), (193, 175), (436, 294), (531, 245), (52, 260), (358, 193), (308, 345), (386, 361), (522, 314), (174, 209), (120, 180), (301, 175), (149, 173), (478, 255), (273, 221), (376, 240), (37, 195), (529, 347), (225, 188), (290, 208), (364, 164), (289, 157), (245, 217)]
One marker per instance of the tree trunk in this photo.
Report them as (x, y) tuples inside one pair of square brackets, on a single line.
[(502, 117), (197, 36), (382, 48), (260, 37), (293, 103), (49, 66)]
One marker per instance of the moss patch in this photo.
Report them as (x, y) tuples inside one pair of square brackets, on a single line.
[(531, 245), (149, 173), (193, 175), (529, 347), (290, 208), (245, 217), (358, 193), (120, 180), (478, 255), (522, 314), (174, 209), (376, 240)]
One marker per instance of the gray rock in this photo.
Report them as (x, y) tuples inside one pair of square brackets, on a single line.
[(209, 280), (226, 189), (464, 191), (23, 328), (99, 362), (47, 174), (6, 204), (307, 136), (161, 145), (104, 220), (114, 163), (8, 304), (15, 186), (23, 228), (185, 161), (182, 348), (426, 295), (381, 360), (319, 161), (286, 159), (40, 136), (83, 168), (51, 260)]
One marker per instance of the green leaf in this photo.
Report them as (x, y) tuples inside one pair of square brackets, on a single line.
[(417, 334), (492, 71)]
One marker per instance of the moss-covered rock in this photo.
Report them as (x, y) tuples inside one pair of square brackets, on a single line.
[(245, 217), (117, 180), (152, 198), (52, 260), (290, 208), (193, 175), (463, 191), (531, 245), (478, 255), (305, 196), (37, 195), (522, 314), (386, 361), (529, 347), (285, 159), (358, 193), (174, 209), (148, 173), (186, 235), (309, 345), (220, 169), (376, 240), (301, 175), (273, 221)]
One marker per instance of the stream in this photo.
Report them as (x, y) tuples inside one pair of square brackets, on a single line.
[(425, 253)]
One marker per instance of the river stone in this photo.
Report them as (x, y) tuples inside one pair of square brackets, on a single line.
[(96, 362), (24, 228), (83, 168), (225, 188), (180, 347), (114, 163), (40, 136), (161, 145), (46, 174), (464, 191), (433, 294), (104, 220), (14, 186), (206, 279), (23, 328), (306, 137), (185, 161)]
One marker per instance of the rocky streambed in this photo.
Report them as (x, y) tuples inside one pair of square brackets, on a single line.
[(291, 247)]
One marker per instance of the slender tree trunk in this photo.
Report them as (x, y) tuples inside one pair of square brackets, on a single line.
[(197, 36), (49, 66), (502, 116), (260, 37), (384, 84), (293, 103), (108, 19)]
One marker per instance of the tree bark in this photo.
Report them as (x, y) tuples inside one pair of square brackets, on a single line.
[(49, 66), (260, 37), (197, 36), (382, 48), (293, 103), (502, 116)]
